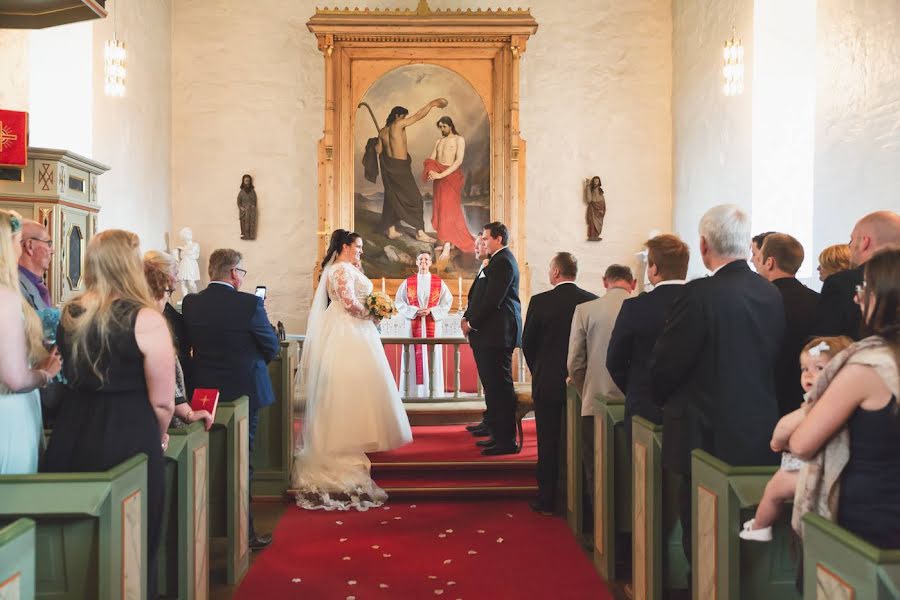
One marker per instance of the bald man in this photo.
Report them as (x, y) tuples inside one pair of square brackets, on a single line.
[(37, 252), (837, 313)]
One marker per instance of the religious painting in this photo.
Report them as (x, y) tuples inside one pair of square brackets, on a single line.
[(422, 175)]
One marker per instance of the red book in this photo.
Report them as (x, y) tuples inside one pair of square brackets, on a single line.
[(205, 399)]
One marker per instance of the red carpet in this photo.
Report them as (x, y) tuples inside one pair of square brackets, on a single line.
[(467, 550), (452, 443)]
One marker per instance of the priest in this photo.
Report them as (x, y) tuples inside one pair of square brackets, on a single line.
[(425, 301)]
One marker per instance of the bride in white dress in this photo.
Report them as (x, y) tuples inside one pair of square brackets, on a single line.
[(352, 402)]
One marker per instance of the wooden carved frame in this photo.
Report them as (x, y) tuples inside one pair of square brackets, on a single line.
[(485, 42)]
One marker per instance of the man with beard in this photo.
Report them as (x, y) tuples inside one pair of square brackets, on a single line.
[(443, 169), (246, 202), (402, 200)]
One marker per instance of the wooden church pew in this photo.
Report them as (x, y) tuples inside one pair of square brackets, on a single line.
[(838, 565), (612, 485), (658, 561), (91, 535), (17, 560), (574, 463), (274, 443), (184, 546), (229, 489), (724, 566)]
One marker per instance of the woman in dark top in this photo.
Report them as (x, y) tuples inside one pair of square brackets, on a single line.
[(863, 396), (119, 364), (161, 271)]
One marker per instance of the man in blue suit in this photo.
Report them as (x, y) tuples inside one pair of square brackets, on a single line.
[(232, 342)]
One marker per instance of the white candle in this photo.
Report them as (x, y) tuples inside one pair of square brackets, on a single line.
[(460, 288), (383, 286)]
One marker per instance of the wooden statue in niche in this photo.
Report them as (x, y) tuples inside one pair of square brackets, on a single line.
[(596, 208), (246, 201)]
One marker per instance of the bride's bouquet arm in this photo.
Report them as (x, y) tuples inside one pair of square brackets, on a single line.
[(343, 285)]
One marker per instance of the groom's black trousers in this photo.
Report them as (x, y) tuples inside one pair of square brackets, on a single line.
[(495, 370)]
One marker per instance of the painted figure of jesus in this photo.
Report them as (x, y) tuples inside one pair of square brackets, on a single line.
[(443, 170)]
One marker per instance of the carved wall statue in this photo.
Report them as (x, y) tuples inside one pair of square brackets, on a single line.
[(596, 208), (246, 201)]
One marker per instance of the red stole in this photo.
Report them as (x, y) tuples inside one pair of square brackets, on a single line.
[(412, 297)]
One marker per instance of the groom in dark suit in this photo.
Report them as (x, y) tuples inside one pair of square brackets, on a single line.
[(545, 344), (232, 342), (493, 323)]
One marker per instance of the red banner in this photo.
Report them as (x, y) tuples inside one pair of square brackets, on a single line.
[(13, 139)]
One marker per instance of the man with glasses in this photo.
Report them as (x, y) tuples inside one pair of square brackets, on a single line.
[(37, 252), (232, 342)]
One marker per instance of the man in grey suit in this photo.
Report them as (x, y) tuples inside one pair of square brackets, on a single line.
[(37, 252), (592, 327)]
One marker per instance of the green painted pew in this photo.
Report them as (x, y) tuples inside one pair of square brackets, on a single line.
[(574, 463), (91, 536), (17, 560), (274, 443), (838, 565), (184, 546), (229, 489), (658, 560), (725, 567), (612, 485)]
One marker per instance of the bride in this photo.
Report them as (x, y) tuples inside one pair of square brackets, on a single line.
[(352, 402)]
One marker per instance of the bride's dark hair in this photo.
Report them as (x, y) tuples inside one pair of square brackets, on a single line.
[(339, 239)]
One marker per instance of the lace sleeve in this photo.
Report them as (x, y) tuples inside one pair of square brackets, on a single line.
[(344, 288)]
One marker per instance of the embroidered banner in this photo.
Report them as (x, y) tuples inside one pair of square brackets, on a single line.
[(13, 139)]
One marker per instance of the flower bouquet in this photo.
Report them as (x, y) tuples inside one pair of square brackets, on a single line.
[(380, 306), (49, 323)]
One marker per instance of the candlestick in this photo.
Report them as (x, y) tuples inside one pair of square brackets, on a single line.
[(383, 286), (460, 293)]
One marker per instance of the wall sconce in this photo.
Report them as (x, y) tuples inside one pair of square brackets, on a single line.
[(733, 69), (114, 63)]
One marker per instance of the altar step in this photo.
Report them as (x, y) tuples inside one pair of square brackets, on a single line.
[(448, 412)]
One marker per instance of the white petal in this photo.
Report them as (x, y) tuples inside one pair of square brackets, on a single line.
[(473, 552), (449, 531), (343, 540), (387, 508), (509, 515), (412, 505), (442, 535), (376, 547), (451, 583), (386, 555), (500, 540), (351, 597), (432, 577), (384, 522), (438, 592), (481, 531), (383, 586), (448, 561), (338, 522), (296, 580), (397, 518), (346, 558), (351, 582)]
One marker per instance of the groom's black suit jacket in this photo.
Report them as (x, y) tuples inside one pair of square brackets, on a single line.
[(495, 312)]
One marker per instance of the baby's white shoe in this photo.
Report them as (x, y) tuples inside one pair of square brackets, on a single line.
[(763, 534)]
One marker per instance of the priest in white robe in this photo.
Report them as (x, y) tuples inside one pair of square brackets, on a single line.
[(424, 300)]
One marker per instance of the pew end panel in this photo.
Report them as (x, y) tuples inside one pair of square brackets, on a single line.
[(91, 529), (229, 490), (184, 546), (574, 463), (274, 443), (612, 485), (17, 559), (838, 565), (723, 497)]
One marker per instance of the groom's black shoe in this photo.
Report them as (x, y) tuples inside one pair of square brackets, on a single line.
[(498, 449), (483, 432), (476, 426), (260, 542), (542, 508), (486, 443)]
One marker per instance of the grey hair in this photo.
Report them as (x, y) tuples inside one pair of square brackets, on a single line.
[(726, 229)]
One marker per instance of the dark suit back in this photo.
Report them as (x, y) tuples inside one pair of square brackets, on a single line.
[(713, 367), (545, 341), (836, 313), (232, 341), (494, 310), (637, 328), (799, 310)]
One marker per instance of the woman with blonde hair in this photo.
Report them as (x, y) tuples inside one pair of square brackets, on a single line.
[(26, 364), (833, 259), (119, 364)]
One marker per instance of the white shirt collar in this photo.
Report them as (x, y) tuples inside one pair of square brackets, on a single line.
[(669, 282), (563, 283), (225, 283)]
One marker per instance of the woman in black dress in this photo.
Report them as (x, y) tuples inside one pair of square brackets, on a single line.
[(119, 363), (863, 394)]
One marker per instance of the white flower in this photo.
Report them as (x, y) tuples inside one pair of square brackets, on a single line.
[(296, 580)]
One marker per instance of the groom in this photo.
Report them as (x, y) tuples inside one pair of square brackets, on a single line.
[(493, 324)]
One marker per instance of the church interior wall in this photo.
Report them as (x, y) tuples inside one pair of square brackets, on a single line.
[(248, 98), (14, 69)]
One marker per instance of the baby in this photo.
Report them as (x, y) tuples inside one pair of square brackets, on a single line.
[(813, 358)]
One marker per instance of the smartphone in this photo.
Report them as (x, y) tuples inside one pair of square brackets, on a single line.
[(261, 291)]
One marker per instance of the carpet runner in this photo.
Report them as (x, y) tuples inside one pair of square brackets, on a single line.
[(460, 550)]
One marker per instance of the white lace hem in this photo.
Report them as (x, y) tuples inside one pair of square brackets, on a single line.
[(359, 498)]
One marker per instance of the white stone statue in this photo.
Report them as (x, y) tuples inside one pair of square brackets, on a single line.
[(188, 267)]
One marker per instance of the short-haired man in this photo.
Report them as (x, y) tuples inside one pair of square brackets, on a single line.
[(837, 312), (37, 252), (639, 324), (712, 366), (592, 326), (545, 343), (232, 342), (756, 244), (425, 301), (493, 322), (779, 261)]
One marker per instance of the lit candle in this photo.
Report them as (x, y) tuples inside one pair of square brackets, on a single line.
[(460, 291), (383, 286)]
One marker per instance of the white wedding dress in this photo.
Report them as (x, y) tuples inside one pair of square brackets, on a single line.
[(352, 402)]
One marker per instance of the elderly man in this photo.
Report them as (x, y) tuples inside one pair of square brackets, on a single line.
[(837, 314), (712, 366), (37, 252), (425, 301)]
